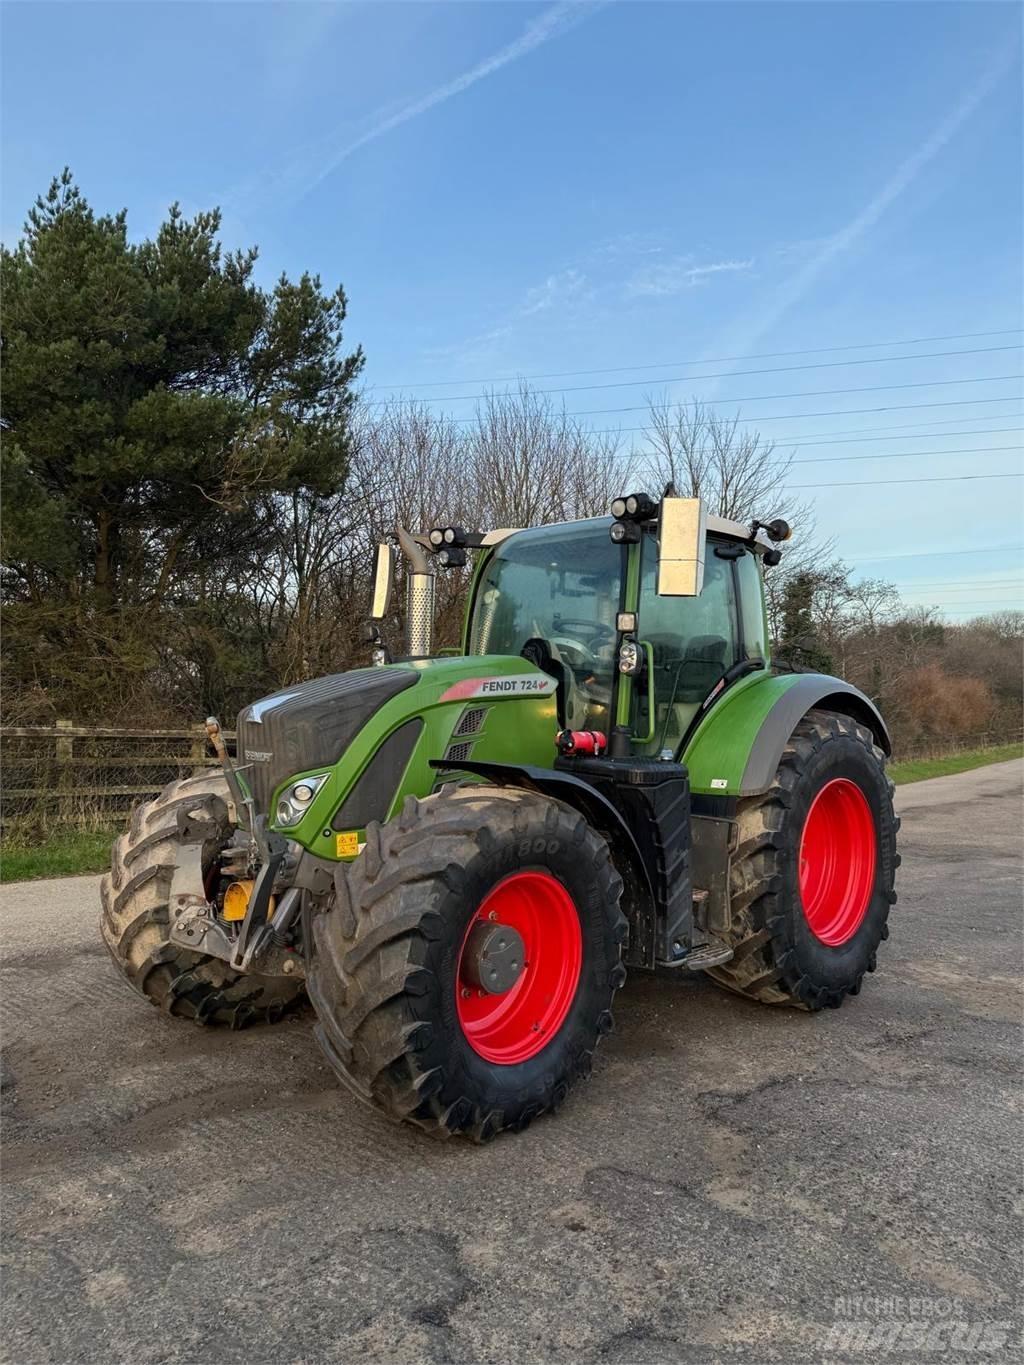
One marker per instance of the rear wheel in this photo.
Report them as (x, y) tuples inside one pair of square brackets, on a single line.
[(135, 918), (465, 971), (813, 874)]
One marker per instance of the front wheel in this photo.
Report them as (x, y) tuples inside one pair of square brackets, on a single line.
[(812, 878), (135, 915), (464, 973)]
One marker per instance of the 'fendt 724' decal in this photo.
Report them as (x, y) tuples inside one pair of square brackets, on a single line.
[(535, 685)]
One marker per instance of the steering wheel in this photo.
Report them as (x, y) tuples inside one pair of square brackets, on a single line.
[(593, 627)]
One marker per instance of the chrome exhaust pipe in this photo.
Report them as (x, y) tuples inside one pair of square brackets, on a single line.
[(419, 607)]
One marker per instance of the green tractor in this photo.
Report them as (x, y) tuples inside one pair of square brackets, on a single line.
[(458, 856)]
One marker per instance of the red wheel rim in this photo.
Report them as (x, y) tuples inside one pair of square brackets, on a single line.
[(515, 1026), (837, 861)]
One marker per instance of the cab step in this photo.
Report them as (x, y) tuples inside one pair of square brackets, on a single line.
[(711, 954)]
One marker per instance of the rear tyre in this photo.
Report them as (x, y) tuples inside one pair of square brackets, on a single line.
[(398, 980), (135, 917), (813, 875)]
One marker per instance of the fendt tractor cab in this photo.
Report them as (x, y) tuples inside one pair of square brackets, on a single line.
[(459, 856)]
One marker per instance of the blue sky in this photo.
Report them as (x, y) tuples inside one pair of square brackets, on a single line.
[(532, 188)]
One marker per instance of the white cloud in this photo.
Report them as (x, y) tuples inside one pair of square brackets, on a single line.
[(672, 277), (559, 288)]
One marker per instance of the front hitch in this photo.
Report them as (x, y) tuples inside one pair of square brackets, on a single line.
[(261, 942)]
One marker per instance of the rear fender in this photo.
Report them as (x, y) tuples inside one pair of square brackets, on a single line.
[(737, 747)]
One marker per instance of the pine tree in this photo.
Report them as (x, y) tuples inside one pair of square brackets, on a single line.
[(154, 399)]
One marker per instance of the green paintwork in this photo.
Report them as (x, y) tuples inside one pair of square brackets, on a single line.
[(516, 730), (720, 746)]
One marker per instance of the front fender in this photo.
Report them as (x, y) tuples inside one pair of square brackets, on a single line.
[(640, 897), (737, 746)]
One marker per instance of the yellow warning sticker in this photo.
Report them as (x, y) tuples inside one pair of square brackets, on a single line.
[(347, 844)]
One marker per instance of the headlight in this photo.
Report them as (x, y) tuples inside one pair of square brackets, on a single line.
[(294, 801)]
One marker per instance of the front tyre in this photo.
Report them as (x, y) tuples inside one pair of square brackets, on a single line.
[(812, 878), (135, 916), (465, 972)]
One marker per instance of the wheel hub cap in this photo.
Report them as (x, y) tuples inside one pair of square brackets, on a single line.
[(492, 959)]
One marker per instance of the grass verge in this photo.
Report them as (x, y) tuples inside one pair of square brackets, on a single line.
[(64, 855), (917, 769)]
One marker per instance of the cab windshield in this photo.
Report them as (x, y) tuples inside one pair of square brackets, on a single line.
[(557, 593)]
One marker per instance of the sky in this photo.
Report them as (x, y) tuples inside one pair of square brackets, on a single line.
[(661, 196)]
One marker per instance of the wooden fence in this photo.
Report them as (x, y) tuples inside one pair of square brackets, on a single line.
[(67, 775), (74, 776)]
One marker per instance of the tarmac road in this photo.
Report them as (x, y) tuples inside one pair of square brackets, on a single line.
[(730, 1173)]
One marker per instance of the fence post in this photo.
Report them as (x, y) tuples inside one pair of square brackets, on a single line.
[(65, 743), (64, 749), (197, 753)]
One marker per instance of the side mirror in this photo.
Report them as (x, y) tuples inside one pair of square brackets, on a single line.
[(682, 535), (383, 582)]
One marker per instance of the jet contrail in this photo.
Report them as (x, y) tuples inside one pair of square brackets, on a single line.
[(319, 162), (793, 289)]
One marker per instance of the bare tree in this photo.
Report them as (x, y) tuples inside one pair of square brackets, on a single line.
[(739, 475), (534, 463), (735, 470)]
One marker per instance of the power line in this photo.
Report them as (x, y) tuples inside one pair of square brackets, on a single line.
[(903, 454), (958, 582), (795, 442), (800, 393), (898, 431), (948, 591), (737, 374), (881, 455), (874, 483), (848, 412), (717, 360), (929, 554), (824, 412)]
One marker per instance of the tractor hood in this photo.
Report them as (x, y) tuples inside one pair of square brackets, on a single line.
[(311, 724)]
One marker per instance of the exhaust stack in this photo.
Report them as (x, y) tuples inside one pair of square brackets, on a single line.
[(419, 614)]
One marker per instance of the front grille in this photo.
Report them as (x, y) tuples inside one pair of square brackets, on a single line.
[(310, 726)]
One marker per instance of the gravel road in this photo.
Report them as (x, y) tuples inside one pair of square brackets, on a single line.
[(730, 1180)]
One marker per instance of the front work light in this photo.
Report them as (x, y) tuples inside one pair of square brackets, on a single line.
[(635, 506), (448, 535), (624, 532), (452, 558)]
